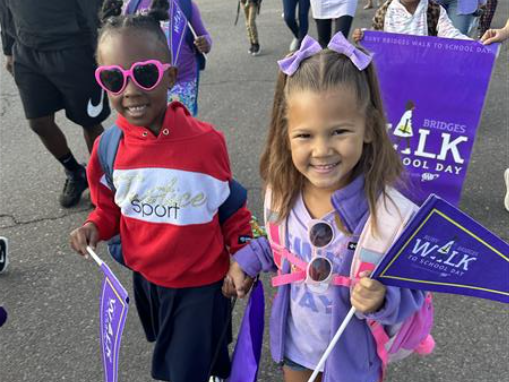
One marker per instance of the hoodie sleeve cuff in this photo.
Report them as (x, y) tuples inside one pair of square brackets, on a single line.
[(387, 310), (255, 257)]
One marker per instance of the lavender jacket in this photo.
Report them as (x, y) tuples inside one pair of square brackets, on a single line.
[(354, 358)]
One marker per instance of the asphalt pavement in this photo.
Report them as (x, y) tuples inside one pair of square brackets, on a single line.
[(52, 294)]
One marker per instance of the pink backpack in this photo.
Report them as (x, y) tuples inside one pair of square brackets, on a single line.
[(393, 342)]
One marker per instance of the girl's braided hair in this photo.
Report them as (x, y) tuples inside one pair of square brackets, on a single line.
[(113, 20)]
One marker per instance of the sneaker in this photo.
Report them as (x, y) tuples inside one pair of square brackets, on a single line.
[(74, 186), (250, 50), (506, 200), (4, 254), (294, 45), (255, 49), (216, 379)]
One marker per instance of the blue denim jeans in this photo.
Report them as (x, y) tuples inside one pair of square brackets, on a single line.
[(461, 22), (300, 29)]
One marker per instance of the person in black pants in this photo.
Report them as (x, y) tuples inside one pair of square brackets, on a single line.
[(49, 48), (339, 11), (300, 29)]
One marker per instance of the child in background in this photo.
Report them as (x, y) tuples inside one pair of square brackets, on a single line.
[(327, 160), (166, 202), (251, 10), (414, 17), (191, 59)]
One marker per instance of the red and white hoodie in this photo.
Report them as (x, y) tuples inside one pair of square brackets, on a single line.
[(168, 191)]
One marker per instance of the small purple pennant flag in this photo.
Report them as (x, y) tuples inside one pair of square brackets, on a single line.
[(113, 311), (444, 250), (175, 30), (246, 356)]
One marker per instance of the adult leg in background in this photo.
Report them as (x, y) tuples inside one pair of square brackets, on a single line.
[(289, 8), (304, 6), (343, 25), (323, 27)]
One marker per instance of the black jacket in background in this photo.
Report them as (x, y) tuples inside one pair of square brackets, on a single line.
[(48, 24)]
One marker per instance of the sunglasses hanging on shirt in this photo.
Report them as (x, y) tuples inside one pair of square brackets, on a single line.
[(320, 269)]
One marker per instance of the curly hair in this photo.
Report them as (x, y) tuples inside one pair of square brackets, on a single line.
[(113, 21)]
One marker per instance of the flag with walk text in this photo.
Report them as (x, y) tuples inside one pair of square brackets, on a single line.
[(433, 91), (175, 28), (444, 250), (113, 311)]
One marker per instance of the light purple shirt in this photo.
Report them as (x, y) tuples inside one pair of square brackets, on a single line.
[(310, 315)]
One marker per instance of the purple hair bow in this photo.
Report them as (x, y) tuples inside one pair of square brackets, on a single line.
[(310, 46)]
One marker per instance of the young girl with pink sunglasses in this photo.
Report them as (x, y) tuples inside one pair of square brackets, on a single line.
[(327, 161), (171, 179)]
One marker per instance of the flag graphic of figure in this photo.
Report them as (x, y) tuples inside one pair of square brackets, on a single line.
[(444, 250), (404, 127)]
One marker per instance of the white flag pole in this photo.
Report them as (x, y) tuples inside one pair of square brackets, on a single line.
[(195, 36), (94, 256), (338, 334)]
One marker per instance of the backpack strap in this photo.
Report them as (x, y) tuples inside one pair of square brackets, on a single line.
[(433, 14), (394, 210), (234, 202), (276, 233), (107, 152)]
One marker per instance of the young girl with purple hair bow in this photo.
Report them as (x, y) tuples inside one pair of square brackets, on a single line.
[(327, 161)]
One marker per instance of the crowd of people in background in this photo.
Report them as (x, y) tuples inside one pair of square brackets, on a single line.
[(133, 68), (72, 47)]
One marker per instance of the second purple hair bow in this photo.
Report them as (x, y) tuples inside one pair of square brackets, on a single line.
[(310, 47)]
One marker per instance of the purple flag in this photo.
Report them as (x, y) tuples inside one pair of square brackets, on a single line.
[(113, 311), (433, 91), (175, 28), (248, 349), (444, 250)]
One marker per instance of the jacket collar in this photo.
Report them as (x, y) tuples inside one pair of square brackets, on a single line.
[(351, 203), (176, 116)]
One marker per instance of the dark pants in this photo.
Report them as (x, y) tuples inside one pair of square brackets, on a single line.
[(299, 30), (324, 28), (187, 326)]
